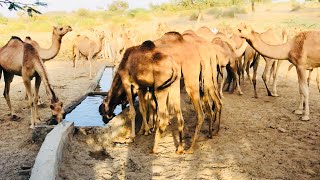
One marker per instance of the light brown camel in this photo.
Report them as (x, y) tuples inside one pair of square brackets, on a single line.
[(251, 58), (228, 55), (187, 56), (302, 51), (208, 82), (47, 54), (148, 67), (22, 59), (88, 48), (57, 35)]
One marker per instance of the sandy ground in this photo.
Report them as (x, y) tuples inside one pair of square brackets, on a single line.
[(16, 147), (259, 139)]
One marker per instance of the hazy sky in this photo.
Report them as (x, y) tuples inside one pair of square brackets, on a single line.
[(70, 5)]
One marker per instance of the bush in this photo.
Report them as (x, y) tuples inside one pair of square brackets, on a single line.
[(118, 5), (295, 6), (228, 13), (83, 13)]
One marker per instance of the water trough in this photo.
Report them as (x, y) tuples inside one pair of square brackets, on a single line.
[(83, 112)]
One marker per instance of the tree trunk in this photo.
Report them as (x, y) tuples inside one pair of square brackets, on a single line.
[(252, 6)]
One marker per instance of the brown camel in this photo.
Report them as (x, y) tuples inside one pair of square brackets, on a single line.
[(22, 59), (148, 67), (88, 48), (302, 51), (57, 35)]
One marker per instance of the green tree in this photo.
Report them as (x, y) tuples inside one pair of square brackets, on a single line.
[(118, 5), (20, 6)]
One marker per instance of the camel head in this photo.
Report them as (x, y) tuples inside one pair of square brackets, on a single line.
[(116, 96), (61, 30), (245, 31), (57, 112)]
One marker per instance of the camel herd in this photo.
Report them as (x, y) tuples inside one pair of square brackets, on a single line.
[(156, 70)]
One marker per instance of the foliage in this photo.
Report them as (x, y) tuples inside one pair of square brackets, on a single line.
[(295, 6), (118, 5), (20, 6)]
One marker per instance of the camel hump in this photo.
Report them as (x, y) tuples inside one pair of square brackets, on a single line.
[(28, 37), (147, 46), (16, 37), (175, 35), (157, 56)]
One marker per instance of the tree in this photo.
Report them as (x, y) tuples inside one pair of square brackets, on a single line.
[(20, 6), (118, 5)]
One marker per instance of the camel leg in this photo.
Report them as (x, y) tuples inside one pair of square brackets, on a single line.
[(8, 79), (309, 77), (318, 79), (194, 94), (266, 73), (162, 115), (248, 70), (223, 79), (304, 94), (254, 76), (275, 78), (217, 112), (236, 77), (36, 98), (129, 92), (90, 66), (27, 84), (75, 62), (142, 95), (177, 108)]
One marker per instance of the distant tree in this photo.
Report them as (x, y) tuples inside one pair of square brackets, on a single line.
[(118, 5), (20, 6)]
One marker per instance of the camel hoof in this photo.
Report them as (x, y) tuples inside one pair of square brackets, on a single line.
[(180, 150), (130, 140), (153, 151), (256, 96), (32, 126), (190, 151), (298, 112), (210, 136), (275, 95), (305, 118), (240, 93)]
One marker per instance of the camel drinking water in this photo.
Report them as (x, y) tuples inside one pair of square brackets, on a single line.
[(22, 59)]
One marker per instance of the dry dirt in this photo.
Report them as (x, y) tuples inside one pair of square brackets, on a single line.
[(16, 147), (260, 138)]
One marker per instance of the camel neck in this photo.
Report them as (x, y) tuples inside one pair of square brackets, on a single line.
[(50, 53), (239, 52), (280, 52)]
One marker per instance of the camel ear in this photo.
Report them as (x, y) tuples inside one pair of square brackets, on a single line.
[(61, 103), (54, 27), (51, 106)]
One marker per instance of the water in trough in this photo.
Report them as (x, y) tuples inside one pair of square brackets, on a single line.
[(87, 112)]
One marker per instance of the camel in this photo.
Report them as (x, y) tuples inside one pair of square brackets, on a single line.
[(87, 47), (57, 35), (209, 74), (22, 59), (48, 54), (228, 55), (251, 58), (187, 56), (302, 51), (143, 67)]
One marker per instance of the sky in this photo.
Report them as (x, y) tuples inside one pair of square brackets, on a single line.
[(70, 5)]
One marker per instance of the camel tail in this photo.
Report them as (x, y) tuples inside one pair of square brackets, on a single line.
[(73, 56), (168, 82), (0, 72), (255, 58)]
